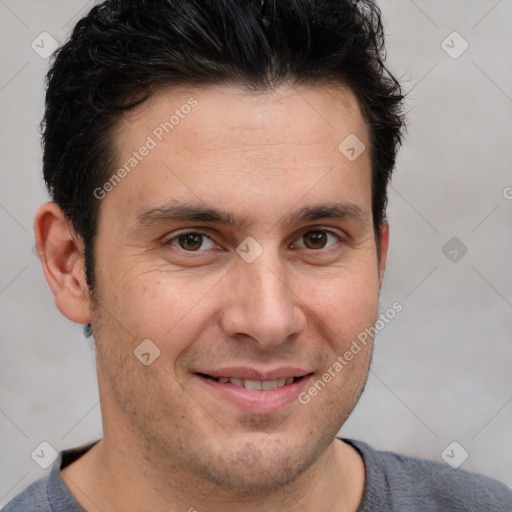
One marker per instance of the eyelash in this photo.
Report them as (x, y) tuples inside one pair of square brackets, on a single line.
[(207, 235)]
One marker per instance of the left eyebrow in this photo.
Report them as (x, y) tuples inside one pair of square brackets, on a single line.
[(186, 212), (349, 211)]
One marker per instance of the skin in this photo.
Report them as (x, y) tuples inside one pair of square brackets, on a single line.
[(171, 442)]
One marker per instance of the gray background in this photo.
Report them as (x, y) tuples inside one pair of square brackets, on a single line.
[(442, 367)]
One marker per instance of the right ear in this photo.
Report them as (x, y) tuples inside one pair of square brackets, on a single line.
[(61, 255)]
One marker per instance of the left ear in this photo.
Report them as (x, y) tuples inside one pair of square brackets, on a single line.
[(384, 244)]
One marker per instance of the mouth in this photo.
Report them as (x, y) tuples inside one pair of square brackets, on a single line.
[(254, 385), (255, 392)]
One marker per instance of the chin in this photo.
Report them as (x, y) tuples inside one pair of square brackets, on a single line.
[(259, 468), (262, 479)]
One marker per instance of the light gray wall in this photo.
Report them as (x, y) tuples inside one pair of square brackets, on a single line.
[(442, 367)]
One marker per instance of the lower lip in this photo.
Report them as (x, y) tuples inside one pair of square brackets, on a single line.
[(262, 402)]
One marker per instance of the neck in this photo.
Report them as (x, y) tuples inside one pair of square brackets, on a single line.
[(112, 476)]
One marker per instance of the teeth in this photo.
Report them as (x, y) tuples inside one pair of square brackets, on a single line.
[(253, 384), (269, 385), (257, 385)]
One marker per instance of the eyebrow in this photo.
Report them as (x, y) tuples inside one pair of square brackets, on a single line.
[(187, 212)]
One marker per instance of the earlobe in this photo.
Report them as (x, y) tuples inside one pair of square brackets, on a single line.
[(61, 258), (384, 244)]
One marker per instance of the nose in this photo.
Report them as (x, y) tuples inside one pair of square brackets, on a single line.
[(261, 304)]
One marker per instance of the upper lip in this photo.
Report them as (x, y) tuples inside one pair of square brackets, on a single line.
[(239, 372)]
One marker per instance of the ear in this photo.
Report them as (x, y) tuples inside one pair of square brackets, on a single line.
[(60, 253), (384, 244)]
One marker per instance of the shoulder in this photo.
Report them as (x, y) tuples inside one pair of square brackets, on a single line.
[(34, 497), (50, 494), (410, 484)]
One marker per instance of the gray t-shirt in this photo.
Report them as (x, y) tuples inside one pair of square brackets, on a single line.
[(394, 483)]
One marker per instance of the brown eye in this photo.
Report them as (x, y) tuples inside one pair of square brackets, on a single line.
[(318, 239), (191, 241), (315, 240)]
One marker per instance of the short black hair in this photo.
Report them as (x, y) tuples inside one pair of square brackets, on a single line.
[(123, 51)]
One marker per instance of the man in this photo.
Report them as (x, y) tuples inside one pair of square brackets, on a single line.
[(218, 174)]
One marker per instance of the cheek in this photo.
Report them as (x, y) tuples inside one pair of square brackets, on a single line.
[(172, 307), (166, 307), (346, 305)]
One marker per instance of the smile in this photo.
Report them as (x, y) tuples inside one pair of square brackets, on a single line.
[(254, 385), (253, 391)]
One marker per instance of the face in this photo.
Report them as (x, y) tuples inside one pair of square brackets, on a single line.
[(263, 289)]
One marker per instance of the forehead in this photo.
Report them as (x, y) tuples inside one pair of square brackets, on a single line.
[(229, 114), (211, 144)]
